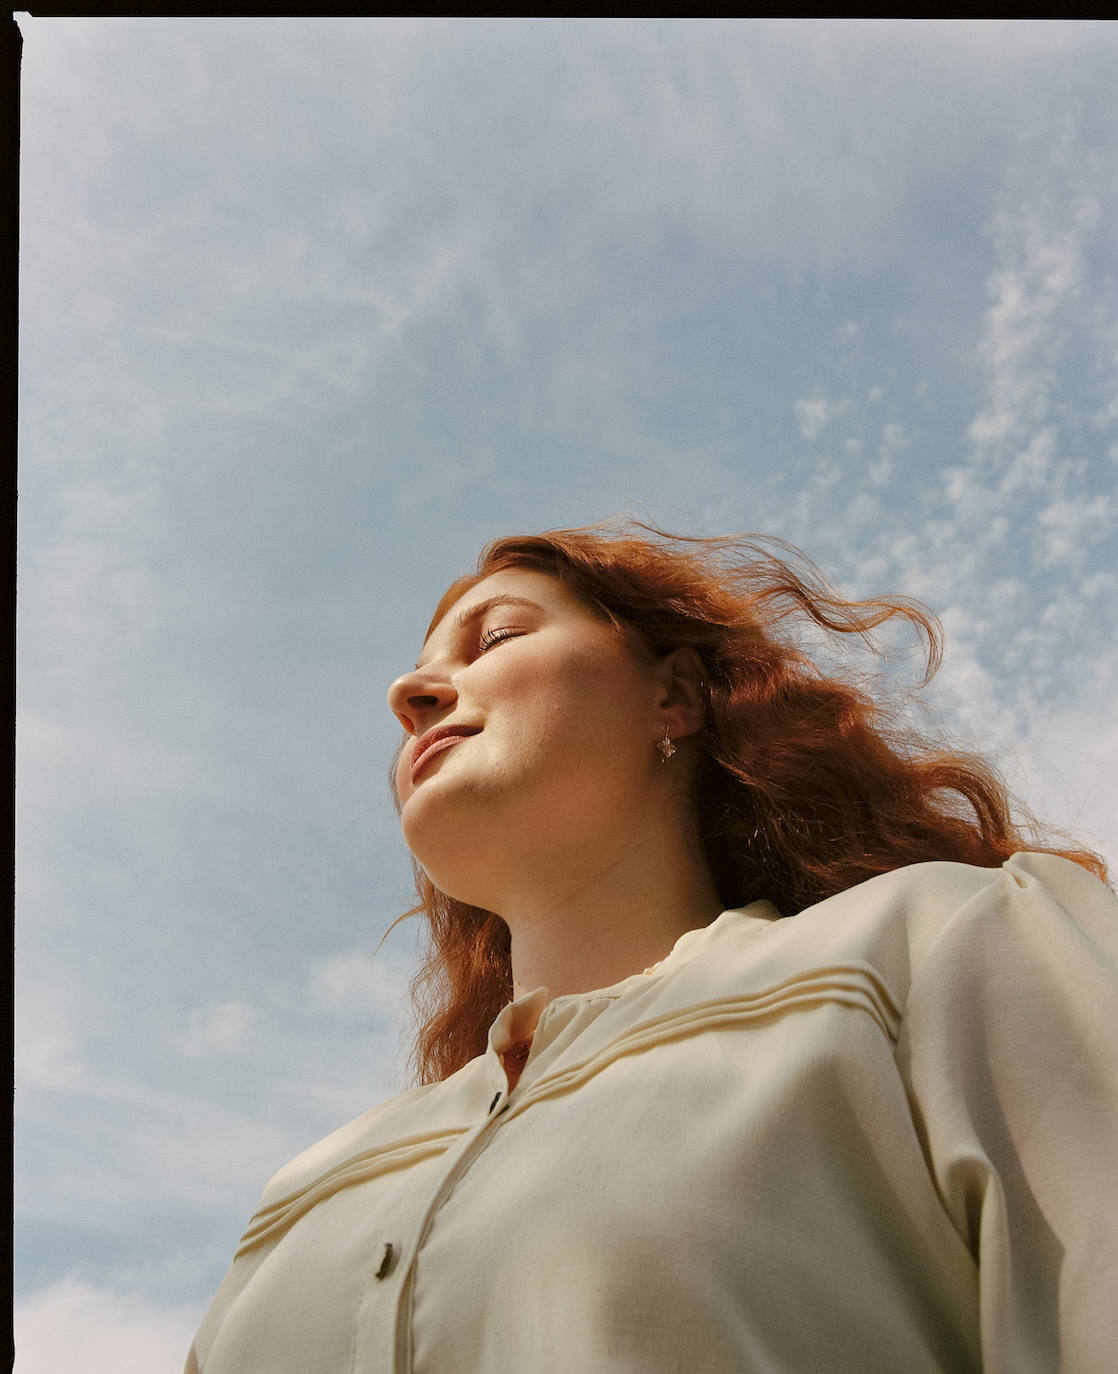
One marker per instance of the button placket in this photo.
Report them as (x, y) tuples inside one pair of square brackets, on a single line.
[(466, 1153)]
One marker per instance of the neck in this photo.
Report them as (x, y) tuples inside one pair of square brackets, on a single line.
[(609, 917)]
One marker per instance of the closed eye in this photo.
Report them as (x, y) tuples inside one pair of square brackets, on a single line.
[(497, 636)]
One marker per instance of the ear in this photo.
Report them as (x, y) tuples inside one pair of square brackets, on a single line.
[(682, 697)]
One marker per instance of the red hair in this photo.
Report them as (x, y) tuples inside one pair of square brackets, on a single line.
[(805, 784)]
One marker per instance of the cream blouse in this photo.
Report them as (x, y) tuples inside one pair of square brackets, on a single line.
[(877, 1137)]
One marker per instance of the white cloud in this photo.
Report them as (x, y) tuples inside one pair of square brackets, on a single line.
[(1107, 415), (73, 1325), (1031, 467), (961, 486), (1040, 265), (894, 440), (358, 983), (812, 414), (1101, 583), (1072, 525), (48, 1052), (101, 749), (94, 585), (1055, 767), (220, 1028)]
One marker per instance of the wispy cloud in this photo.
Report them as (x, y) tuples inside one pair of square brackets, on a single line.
[(219, 1028), (1071, 526), (1040, 267), (48, 1049), (892, 444), (294, 347), (357, 983), (73, 1325), (812, 414)]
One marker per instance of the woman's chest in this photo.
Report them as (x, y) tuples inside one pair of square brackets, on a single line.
[(667, 1212)]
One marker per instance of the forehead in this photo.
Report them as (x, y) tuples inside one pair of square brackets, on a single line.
[(550, 600), (527, 583)]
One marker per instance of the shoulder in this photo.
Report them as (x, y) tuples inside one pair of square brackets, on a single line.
[(902, 922), (1041, 931), (924, 895), (1032, 899)]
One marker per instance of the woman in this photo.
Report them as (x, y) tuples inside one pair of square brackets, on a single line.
[(750, 1041)]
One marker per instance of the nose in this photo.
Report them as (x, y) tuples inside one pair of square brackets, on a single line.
[(416, 696)]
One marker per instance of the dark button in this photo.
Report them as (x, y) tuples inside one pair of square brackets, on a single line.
[(494, 1103), (385, 1261)]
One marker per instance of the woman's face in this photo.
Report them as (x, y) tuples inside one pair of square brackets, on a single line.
[(532, 725)]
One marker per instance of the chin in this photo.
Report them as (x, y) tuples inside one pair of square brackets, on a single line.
[(450, 879), (443, 842)]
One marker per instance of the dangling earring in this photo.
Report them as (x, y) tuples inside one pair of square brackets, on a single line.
[(665, 746)]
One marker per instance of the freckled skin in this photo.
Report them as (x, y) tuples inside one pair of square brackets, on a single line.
[(568, 712)]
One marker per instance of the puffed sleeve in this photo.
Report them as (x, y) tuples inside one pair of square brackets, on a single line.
[(1009, 1051)]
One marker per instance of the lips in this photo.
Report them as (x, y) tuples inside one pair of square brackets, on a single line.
[(436, 741)]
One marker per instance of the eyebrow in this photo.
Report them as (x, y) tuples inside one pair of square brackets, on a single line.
[(472, 614)]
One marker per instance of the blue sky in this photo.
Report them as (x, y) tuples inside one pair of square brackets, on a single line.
[(311, 309)]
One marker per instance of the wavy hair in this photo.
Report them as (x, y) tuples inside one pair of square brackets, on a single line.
[(806, 783)]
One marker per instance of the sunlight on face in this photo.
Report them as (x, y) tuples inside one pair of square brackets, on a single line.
[(531, 719)]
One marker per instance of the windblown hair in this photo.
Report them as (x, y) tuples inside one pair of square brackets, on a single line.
[(806, 783)]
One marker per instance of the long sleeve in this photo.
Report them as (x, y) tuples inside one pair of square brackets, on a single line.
[(1008, 1048)]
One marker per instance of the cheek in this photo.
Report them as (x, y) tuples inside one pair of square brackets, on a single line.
[(403, 778), (573, 696)]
